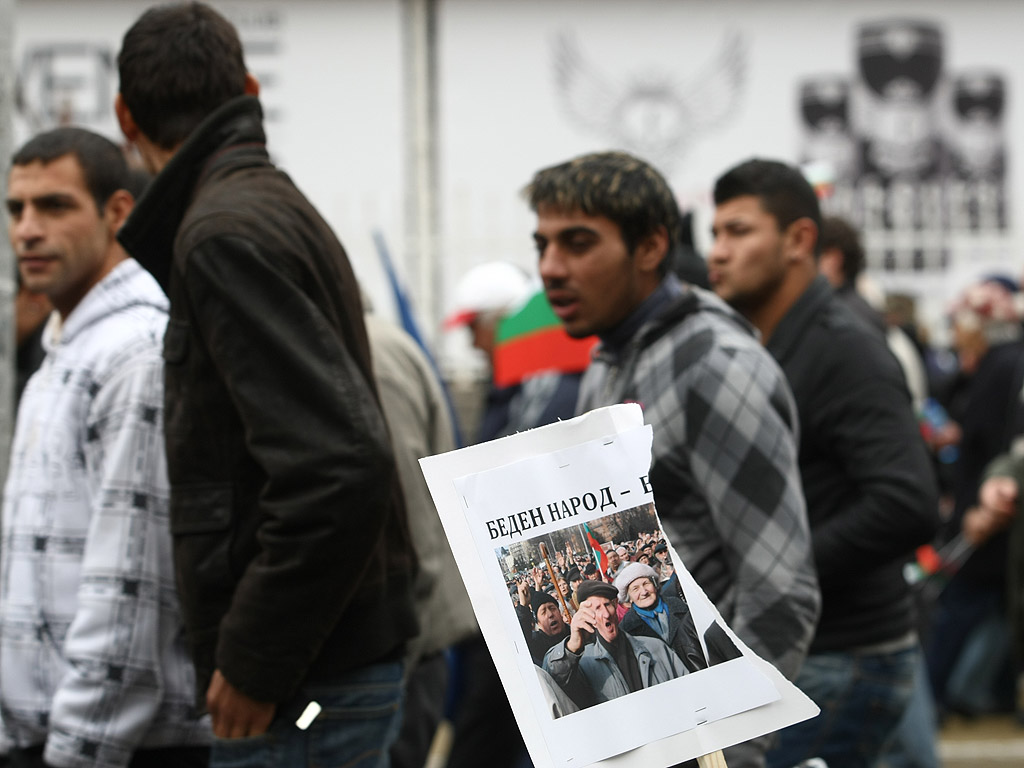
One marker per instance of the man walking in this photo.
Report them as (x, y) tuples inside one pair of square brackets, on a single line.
[(93, 667), (277, 450), (870, 490), (724, 467)]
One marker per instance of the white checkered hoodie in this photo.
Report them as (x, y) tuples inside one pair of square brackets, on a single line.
[(92, 656)]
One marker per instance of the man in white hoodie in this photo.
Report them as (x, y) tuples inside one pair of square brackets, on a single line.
[(93, 670)]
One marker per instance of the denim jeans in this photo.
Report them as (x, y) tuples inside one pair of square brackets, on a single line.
[(358, 722), (915, 742), (862, 698)]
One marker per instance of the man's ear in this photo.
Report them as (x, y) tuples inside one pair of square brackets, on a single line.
[(117, 208), (252, 85), (801, 239), (125, 119), (652, 250)]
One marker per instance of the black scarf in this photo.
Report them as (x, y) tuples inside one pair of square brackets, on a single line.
[(622, 653)]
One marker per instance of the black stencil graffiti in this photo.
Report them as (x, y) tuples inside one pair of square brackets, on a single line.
[(74, 82), (65, 83), (916, 154)]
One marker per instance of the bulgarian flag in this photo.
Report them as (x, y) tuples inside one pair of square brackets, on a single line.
[(532, 341), (599, 554)]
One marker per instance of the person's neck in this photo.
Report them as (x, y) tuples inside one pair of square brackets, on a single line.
[(767, 316), (154, 157), (651, 305)]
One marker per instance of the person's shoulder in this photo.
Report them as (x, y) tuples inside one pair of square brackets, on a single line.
[(707, 330), (395, 352), (123, 313), (653, 645), (675, 604), (839, 338), (257, 203)]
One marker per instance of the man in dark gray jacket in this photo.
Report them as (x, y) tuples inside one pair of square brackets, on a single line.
[(724, 468), (870, 490)]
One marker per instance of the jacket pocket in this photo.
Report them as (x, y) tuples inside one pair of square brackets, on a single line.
[(201, 508), (175, 341), (201, 531)]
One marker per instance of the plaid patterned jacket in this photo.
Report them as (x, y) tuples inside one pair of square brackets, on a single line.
[(724, 469), (92, 659)]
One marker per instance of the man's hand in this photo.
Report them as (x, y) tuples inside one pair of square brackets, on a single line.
[(235, 715), (585, 620), (524, 593), (997, 505), (538, 578), (999, 494)]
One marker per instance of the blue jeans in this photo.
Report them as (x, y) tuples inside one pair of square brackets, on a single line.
[(358, 722), (862, 698), (915, 742)]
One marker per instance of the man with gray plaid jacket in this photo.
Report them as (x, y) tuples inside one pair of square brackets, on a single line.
[(724, 468)]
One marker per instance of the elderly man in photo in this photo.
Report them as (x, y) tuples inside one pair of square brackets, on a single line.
[(611, 662)]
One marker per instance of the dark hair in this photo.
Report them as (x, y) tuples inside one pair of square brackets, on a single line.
[(616, 186), (177, 64), (838, 233), (782, 190), (104, 168)]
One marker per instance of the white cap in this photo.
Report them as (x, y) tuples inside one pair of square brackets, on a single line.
[(631, 573), (492, 287)]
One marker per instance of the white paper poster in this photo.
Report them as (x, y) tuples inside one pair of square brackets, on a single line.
[(568, 486)]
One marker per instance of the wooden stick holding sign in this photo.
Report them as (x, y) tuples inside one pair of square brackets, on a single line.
[(554, 579), (712, 760)]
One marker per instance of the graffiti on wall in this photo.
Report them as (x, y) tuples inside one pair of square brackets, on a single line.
[(74, 82), (915, 153), (658, 115)]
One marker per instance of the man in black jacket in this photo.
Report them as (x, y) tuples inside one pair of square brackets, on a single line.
[(541, 609), (870, 490), (278, 454)]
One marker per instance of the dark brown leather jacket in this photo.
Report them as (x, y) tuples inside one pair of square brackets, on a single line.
[(291, 548)]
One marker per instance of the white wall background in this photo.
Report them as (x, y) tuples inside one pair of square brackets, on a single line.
[(332, 73)]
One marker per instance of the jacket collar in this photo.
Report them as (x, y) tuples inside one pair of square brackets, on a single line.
[(664, 309), (618, 337), (786, 337), (126, 285), (149, 233)]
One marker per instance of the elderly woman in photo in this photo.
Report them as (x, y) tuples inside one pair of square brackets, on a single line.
[(667, 617)]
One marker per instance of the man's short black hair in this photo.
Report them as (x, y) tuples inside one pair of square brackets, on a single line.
[(102, 162), (177, 64), (616, 186), (838, 233), (782, 190)]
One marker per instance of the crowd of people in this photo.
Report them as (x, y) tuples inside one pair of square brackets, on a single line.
[(217, 548), (617, 626)]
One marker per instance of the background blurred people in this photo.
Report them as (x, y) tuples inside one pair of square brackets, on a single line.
[(842, 262), (985, 404), (420, 424)]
